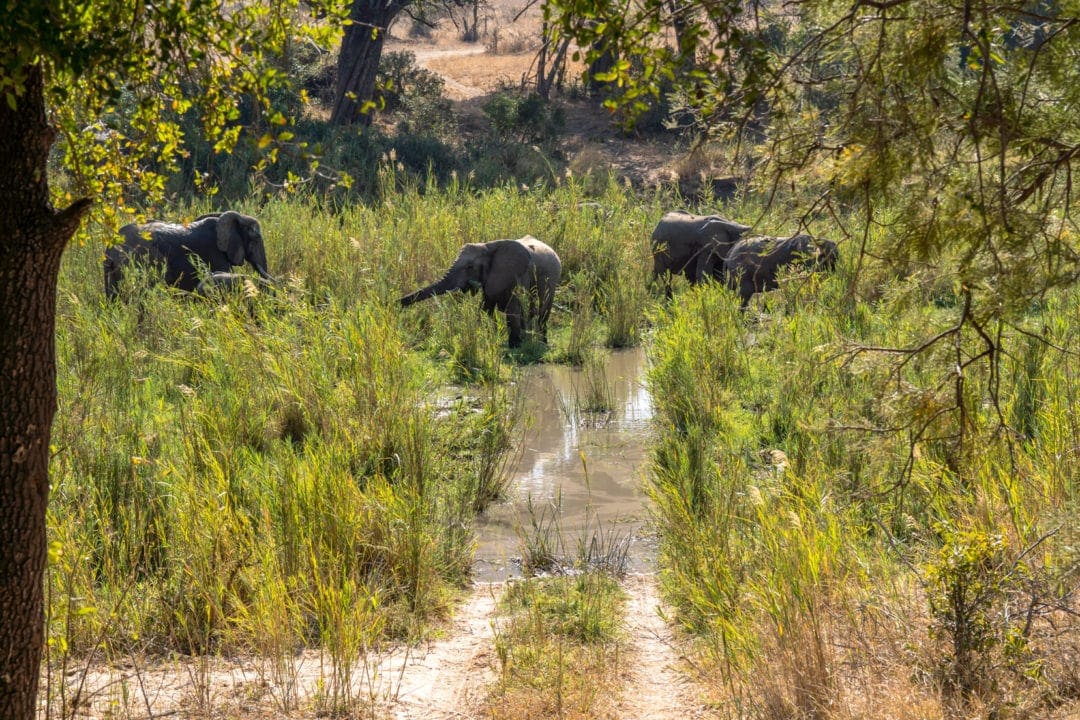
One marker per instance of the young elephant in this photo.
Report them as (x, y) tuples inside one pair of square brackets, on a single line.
[(692, 245), (217, 242), (503, 270), (752, 263)]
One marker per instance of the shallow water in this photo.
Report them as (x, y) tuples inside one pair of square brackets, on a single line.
[(582, 471)]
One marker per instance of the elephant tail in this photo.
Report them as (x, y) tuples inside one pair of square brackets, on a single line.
[(411, 298)]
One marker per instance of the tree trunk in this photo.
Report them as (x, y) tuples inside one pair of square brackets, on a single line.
[(32, 239), (546, 74), (358, 61)]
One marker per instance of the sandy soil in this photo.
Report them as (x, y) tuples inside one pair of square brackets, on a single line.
[(448, 678), (657, 683)]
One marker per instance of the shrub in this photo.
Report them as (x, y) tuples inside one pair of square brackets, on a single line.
[(524, 118)]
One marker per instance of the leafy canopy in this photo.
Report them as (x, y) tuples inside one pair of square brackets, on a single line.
[(949, 129), (954, 123), (120, 76)]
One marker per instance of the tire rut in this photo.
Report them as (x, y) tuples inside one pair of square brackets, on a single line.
[(449, 677), (656, 683)]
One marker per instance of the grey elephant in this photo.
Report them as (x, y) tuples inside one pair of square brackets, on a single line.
[(692, 245), (506, 272), (752, 263), (214, 243)]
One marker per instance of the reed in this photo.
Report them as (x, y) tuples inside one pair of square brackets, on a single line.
[(797, 473)]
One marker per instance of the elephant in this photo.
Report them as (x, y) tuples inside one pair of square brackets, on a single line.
[(752, 263), (502, 270), (692, 245), (217, 242)]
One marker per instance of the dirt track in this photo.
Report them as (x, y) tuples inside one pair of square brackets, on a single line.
[(449, 678)]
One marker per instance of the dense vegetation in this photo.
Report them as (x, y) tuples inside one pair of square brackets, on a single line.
[(864, 487), (835, 534), (259, 472), (272, 471)]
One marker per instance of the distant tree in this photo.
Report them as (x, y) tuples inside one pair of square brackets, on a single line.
[(465, 15), (66, 68), (627, 48)]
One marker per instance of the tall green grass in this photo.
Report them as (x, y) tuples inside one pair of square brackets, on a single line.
[(800, 475), (263, 473), (260, 474)]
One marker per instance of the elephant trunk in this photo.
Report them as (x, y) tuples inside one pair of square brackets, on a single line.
[(448, 283), (257, 260), (828, 255)]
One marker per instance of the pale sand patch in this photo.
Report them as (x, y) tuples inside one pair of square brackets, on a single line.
[(657, 685)]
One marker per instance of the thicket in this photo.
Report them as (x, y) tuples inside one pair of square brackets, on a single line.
[(262, 472), (824, 507)]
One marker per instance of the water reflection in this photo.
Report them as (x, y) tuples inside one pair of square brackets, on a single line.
[(589, 464)]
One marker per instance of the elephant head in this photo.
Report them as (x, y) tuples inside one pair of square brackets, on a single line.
[(240, 238), (692, 245), (215, 243), (499, 270), (493, 267), (752, 263)]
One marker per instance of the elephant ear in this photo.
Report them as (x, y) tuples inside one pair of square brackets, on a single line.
[(507, 265), (230, 238)]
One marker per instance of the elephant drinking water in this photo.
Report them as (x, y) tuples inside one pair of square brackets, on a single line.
[(217, 242), (505, 272)]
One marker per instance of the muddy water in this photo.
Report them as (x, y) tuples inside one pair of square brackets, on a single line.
[(581, 471)]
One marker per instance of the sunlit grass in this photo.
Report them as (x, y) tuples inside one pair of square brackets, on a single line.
[(263, 474), (559, 647), (798, 475)]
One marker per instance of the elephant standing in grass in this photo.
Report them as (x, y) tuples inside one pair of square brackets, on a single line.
[(211, 243), (752, 263), (692, 245), (504, 271)]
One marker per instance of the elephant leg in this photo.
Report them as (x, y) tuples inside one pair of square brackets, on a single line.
[(514, 320), (532, 309), (542, 316), (746, 291), (700, 266)]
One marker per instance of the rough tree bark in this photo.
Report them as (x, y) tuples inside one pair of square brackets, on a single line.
[(358, 61), (32, 239)]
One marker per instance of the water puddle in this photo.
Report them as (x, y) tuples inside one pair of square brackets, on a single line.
[(580, 471)]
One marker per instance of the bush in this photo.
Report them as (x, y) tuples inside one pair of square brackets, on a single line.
[(524, 118), (400, 78), (968, 583)]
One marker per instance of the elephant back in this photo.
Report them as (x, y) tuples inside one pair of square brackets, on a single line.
[(545, 262)]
